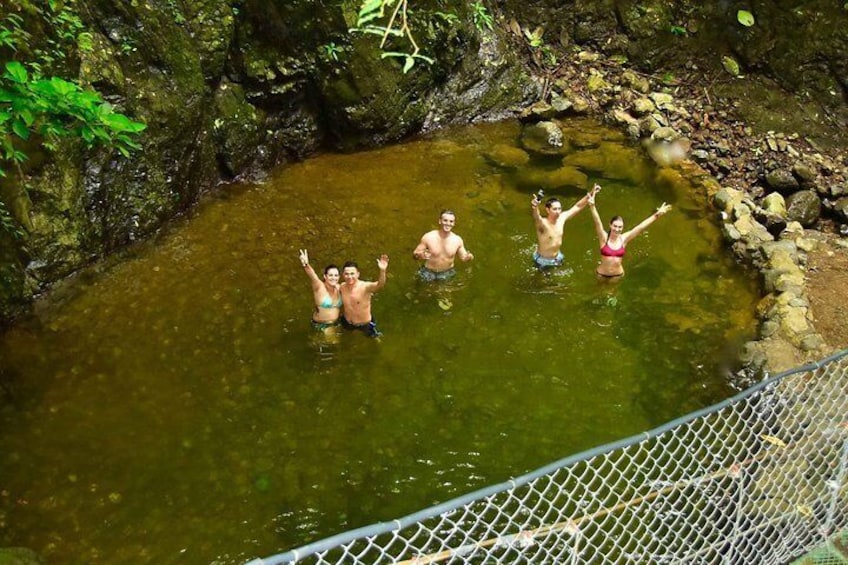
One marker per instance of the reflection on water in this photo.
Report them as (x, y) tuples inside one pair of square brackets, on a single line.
[(179, 406)]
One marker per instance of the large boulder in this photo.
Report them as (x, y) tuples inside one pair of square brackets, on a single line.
[(803, 207), (783, 181)]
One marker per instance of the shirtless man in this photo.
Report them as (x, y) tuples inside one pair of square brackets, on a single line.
[(356, 297), (549, 229), (439, 248)]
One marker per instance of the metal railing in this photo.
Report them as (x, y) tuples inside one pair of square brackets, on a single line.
[(758, 478)]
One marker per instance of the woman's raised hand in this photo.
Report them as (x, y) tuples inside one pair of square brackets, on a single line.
[(663, 208), (304, 258)]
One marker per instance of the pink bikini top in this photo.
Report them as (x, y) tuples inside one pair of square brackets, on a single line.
[(608, 251)]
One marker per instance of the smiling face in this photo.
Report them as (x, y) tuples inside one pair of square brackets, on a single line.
[(617, 225), (446, 221), (351, 275), (331, 276), (554, 208)]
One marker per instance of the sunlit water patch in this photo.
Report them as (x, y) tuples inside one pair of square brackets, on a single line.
[(178, 407)]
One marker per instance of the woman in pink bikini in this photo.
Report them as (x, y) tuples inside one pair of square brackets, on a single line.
[(614, 244)]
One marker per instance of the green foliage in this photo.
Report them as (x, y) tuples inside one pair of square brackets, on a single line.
[(409, 59), (745, 18), (331, 51), (730, 65), (389, 19), (175, 12), (669, 79), (50, 107), (8, 224), (678, 30), (482, 18), (128, 46), (11, 32), (534, 38), (449, 17)]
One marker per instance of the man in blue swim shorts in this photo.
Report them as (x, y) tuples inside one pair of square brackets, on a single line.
[(544, 262), (368, 328), (439, 248), (549, 229), (356, 297), (428, 275)]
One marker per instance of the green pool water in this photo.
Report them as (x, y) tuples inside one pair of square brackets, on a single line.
[(176, 406)]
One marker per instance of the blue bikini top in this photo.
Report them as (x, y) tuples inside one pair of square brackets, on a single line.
[(328, 302)]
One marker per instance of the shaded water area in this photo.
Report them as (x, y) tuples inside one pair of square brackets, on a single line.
[(177, 406)]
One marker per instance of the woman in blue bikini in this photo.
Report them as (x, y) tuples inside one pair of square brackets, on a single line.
[(613, 244), (328, 297)]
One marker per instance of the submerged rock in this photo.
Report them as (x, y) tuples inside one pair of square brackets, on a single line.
[(545, 138), (506, 156)]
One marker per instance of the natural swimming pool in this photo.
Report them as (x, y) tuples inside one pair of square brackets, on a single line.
[(176, 406)]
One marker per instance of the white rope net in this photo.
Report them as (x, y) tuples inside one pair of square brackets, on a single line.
[(760, 478)]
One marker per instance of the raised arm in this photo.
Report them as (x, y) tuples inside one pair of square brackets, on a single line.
[(599, 225), (534, 209), (383, 265), (643, 225), (310, 272), (580, 204)]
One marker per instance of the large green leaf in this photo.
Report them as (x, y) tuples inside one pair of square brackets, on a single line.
[(27, 116), (120, 122), (20, 129), (16, 72)]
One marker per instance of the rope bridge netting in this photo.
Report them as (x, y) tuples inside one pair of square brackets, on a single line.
[(758, 478)]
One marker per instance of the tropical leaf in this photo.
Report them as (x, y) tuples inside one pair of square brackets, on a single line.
[(730, 65), (27, 116), (16, 72), (745, 18), (20, 129), (370, 10), (410, 62), (87, 134)]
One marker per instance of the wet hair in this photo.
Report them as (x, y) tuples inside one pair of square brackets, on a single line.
[(551, 201), (446, 211), (330, 266), (614, 218), (351, 264)]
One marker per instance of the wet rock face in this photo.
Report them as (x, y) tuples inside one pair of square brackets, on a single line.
[(230, 89)]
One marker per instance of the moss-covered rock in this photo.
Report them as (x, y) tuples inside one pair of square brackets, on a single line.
[(238, 128)]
